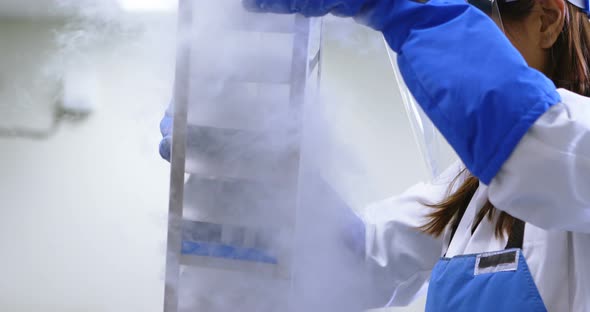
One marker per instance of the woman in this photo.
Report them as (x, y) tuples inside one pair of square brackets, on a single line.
[(514, 226)]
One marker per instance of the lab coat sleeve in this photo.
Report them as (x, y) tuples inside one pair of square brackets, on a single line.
[(546, 181), (399, 256)]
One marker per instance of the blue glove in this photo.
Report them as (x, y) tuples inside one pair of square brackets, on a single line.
[(465, 74), (346, 8), (166, 130), (354, 234)]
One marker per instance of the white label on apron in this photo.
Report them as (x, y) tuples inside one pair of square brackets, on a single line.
[(500, 261)]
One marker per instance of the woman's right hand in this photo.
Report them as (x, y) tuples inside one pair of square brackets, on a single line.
[(166, 130), (345, 8)]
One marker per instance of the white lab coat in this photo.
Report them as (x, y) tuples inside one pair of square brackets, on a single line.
[(545, 182)]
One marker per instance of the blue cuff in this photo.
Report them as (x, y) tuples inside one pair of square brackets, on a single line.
[(471, 82)]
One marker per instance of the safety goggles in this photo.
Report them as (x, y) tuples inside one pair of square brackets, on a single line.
[(491, 9), (584, 5)]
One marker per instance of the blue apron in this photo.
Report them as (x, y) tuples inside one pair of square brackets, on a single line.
[(495, 281)]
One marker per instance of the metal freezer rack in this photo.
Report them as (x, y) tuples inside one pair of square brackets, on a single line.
[(236, 144)]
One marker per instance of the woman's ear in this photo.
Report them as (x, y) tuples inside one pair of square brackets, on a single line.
[(552, 21)]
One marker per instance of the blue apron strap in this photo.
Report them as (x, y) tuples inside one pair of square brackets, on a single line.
[(516, 237), (455, 226), (515, 240)]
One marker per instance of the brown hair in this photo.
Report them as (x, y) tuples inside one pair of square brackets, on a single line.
[(570, 59)]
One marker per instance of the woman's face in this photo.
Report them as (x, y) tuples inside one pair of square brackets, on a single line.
[(524, 35), (535, 34)]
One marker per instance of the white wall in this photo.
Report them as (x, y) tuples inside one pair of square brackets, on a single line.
[(23, 69), (82, 214)]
